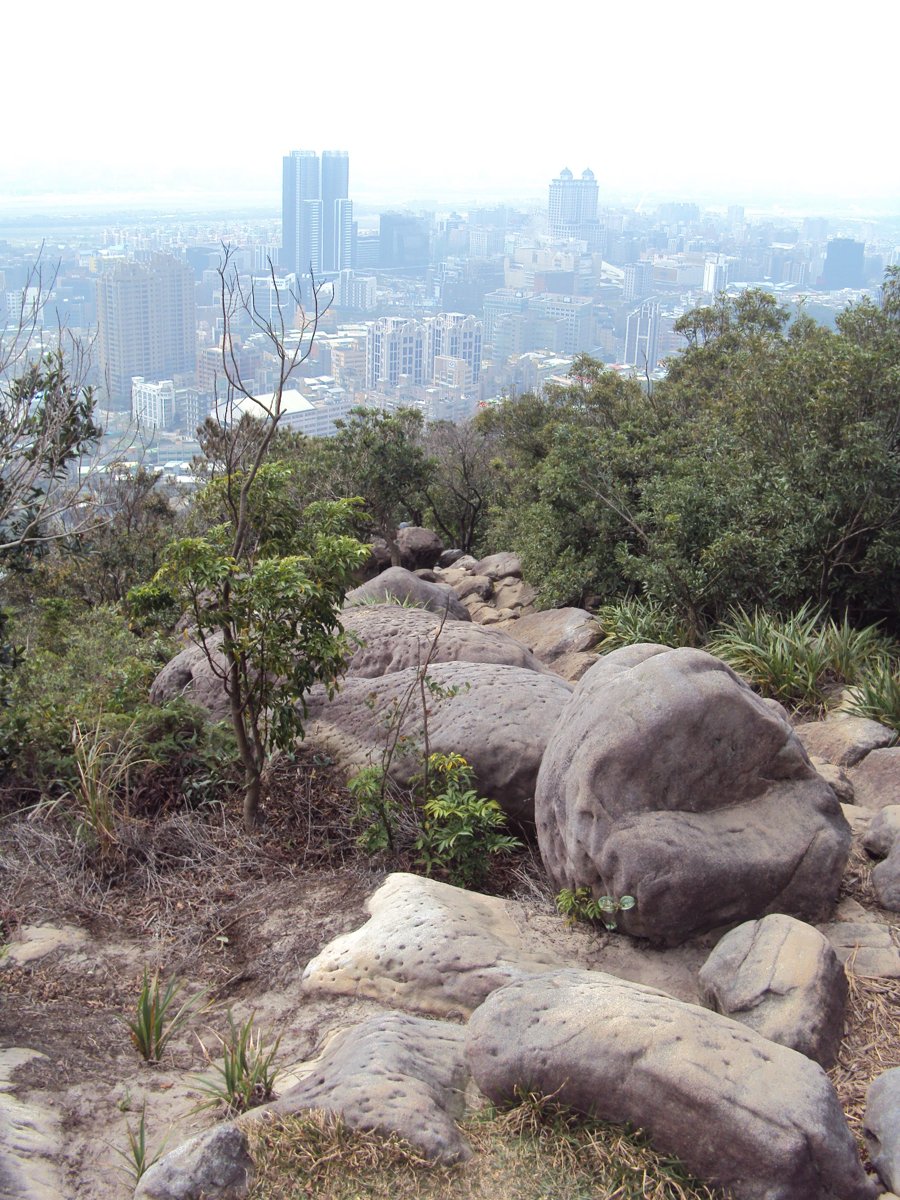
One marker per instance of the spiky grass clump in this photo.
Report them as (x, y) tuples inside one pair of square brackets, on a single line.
[(635, 620)]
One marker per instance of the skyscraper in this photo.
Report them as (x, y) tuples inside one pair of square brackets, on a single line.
[(572, 209), (642, 337), (844, 263), (316, 213), (146, 323)]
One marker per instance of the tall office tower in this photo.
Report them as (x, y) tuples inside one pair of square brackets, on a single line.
[(573, 206), (397, 347), (638, 281), (316, 214), (146, 323), (844, 264), (715, 275), (642, 337), (457, 336)]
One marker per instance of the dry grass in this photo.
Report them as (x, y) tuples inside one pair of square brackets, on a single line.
[(536, 1151), (871, 1044)]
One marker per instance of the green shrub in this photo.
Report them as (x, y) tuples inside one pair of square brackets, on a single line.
[(579, 905), (634, 620), (877, 694)]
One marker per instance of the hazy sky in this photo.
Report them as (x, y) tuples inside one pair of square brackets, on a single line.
[(459, 100)]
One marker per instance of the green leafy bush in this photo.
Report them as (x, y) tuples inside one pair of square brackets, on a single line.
[(877, 694), (578, 904), (637, 619)]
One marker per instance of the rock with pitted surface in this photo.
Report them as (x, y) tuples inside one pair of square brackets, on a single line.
[(401, 585), (391, 1074), (394, 638), (214, 1165), (430, 947), (669, 780), (740, 1111), (783, 979), (881, 1125), (189, 674), (844, 740), (883, 832), (497, 717)]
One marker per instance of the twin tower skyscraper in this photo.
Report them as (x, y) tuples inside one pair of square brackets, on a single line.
[(317, 214)]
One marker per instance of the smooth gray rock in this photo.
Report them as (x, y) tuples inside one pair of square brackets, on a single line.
[(740, 1111), (189, 674), (883, 832), (431, 947), (876, 780), (474, 586), (32, 1142), (881, 1125), (669, 780), (498, 717), (392, 1074), (886, 880), (401, 585), (868, 948), (844, 740), (783, 979), (395, 638), (497, 566), (556, 632), (214, 1165), (419, 548)]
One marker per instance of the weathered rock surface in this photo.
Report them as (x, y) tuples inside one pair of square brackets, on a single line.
[(837, 777), (557, 632), (883, 832), (429, 947), (189, 674), (574, 666), (33, 942), (498, 566), (783, 979), (514, 594), (886, 880), (395, 638), (31, 1140), (399, 584), (843, 740), (418, 547), (867, 947), (392, 1074), (876, 780), (881, 1124), (214, 1165), (498, 717), (742, 1112), (666, 779)]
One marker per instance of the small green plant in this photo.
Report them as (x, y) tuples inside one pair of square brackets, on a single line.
[(877, 694), (461, 831), (580, 905), (377, 808), (103, 763), (636, 619), (157, 1020), (137, 1157), (246, 1076)]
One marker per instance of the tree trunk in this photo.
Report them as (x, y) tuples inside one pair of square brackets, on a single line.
[(252, 796)]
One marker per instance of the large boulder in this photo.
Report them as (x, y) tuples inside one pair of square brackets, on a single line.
[(741, 1112), (393, 1074), (497, 717), (431, 947), (215, 1165), (883, 832), (499, 566), (191, 675), (393, 638), (669, 780), (876, 780), (867, 947), (783, 979), (844, 740), (886, 880), (881, 1125), (418, 547), (556, 632), (401, 586)]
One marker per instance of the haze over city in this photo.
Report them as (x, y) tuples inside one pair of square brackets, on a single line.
[(190, 105)]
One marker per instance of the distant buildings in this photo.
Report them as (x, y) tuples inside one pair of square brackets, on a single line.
[(316, 213), (642, 337), (572, 209), (844, 264), (146, 323), (443, 349)]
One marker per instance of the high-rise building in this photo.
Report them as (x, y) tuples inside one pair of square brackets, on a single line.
[(458, 337), (153, 404), (316, 213), (573, 207), (715, 275), (844, 264), (642, 337), (638, 281), (397, 349), (146, 323)]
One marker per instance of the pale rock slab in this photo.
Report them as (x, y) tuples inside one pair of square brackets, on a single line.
[(498, 717), (429, 947), (557, 632), (665, 779), (740, 1111), (498, 566), (783, 979), (214, 1165), (401, 585), (34, 942), (30, 1139), (394, 638), (189, 674), (868, 948), (876, 780), (881, 1125), (844, 740), (391, 1074)]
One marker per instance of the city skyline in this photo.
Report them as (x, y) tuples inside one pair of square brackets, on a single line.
[(723, 112)]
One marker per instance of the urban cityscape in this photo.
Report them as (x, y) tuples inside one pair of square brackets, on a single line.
[(444, 311)]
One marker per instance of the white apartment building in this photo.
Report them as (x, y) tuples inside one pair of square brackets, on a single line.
[(152, 403)]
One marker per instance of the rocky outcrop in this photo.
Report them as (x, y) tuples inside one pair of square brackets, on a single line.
[(882, 1126), (783, 979), (393, 638), (189, 674), (498, 717), (430, 947), (740, 1111), (402, 586), (844, 740), (869, 947), (664, 780), (876, 780), (214, 1165), (391, 1074)]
